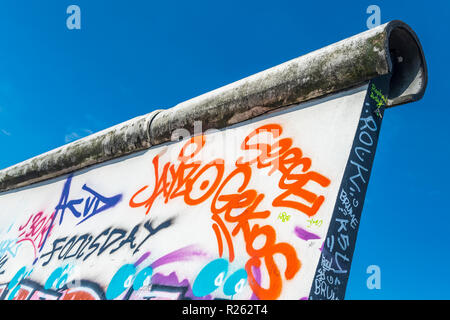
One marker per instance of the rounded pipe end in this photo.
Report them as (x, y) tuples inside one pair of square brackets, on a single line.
[(407, 63)]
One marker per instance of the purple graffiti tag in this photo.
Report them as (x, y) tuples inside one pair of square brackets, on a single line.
[(142, 258), (257, 273), (305, 235), (182, 254), (170, 283)]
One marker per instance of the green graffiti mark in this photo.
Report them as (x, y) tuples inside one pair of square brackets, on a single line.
[(284, 217), (316, 222), (379, 98)]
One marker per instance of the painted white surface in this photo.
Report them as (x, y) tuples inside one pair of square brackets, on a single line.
[(323, 130)]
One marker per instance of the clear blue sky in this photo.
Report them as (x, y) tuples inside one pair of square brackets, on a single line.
[(131, 57)]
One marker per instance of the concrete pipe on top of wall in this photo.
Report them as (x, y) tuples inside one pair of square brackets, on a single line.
[(392, 48)]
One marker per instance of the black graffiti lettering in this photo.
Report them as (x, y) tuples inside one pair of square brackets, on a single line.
[(55, 249), (108, 244), (151, 231), (82, 238), (96, 244), (130, 239), (71, 242), (84, 245)]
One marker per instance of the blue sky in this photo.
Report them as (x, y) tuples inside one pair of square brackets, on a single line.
[(131, 57)]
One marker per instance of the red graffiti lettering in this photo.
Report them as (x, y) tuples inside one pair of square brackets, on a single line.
[(35, 229)]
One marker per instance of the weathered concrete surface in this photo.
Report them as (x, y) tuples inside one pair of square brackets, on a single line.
[(120, 140), (391, 48), (337, 67)]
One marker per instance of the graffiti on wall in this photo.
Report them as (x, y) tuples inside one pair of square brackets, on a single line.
[(180, 223), (334, 267), (180, 179)]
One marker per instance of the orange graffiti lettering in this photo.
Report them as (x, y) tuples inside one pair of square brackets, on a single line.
[(286, 159), (238, 206)]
